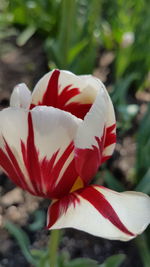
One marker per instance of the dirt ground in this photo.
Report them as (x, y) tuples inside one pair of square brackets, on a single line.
[(27, 64)]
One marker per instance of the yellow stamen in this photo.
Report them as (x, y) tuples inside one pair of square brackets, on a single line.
[(77, 185)]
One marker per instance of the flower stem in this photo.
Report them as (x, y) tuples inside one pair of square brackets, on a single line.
[(53, 247)]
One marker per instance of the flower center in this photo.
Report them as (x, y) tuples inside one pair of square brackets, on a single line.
[(77, 185)]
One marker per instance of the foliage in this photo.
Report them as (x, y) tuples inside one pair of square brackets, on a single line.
[(78, 28), (40, 258), (143, 148), (22, 239), (114, 261)]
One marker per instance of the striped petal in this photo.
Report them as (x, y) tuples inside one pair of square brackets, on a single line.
[(96, 137), (39, 145), (66, 91), (13, 128), (20, 97), (102, 212)]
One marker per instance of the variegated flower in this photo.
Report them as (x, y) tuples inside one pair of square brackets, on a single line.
[(52, 143)]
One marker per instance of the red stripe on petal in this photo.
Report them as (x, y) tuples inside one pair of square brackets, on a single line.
[(110, 137), (88, 160), (44, 173), (105, 158), (60, 207), (87, 163), (111, 128), (51, 93), (67, 181), (16, 167), (67, 94), (63, 187), (60, 163), (52, 97), (77, 109), (10, 165), (53, 214), (99, 201), (31, 159)]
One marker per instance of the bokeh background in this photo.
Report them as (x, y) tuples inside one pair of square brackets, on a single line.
[(111, 39)]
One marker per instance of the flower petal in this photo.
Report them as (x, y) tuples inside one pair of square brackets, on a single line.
[(40, 142), (102, 212), (95, 140), (20, 97), (66, 91), (54, 131), (13, 128)]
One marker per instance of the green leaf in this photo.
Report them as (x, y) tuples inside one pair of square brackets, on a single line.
[(120, 90), (114, 261), (39, 219), (142, 244), (25, 35), (143, 146), (112, 182), (22, 239), (41, 256), (82, 262), (63, 259), (122, 61), (52, 51), (144, 184), (66, 32), (76, 50)]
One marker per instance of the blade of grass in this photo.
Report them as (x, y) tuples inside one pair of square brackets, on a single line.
[(112, 182), (114, 261), (66, 29), (144, 184), (25, 35), (22, 239), (143, 249)]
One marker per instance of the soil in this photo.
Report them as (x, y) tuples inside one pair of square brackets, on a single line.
[(27, 64)]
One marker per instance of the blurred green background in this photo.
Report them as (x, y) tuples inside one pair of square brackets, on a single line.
[(110, 39)]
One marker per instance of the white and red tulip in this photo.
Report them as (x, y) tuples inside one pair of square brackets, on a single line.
[(52, 143)]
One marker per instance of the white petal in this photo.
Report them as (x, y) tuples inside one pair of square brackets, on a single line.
[(14, 128), (87, 85), (89, 89), (99, 116), (20, 97), (95, 139), (132, 207), (133, 210), (94, 122), (40, 88), (54, 129), (111, 120)]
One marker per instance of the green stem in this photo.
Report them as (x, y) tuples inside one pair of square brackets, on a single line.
[(53, 247)]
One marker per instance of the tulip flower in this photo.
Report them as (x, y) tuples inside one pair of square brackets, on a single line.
[(52, 143)]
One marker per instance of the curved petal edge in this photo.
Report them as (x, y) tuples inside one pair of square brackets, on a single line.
[(96, 136), (21, 96), (102, 212)]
